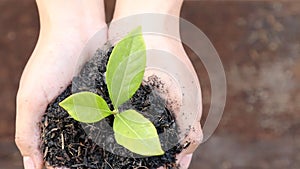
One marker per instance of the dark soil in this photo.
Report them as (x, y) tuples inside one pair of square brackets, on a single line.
[(66, 142)]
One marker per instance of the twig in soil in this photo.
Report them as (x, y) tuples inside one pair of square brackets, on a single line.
[(52, 130), (79, 151), (139, 167), (62, 141), (186, 144), (77, 165), (108, 164), (46, 152)]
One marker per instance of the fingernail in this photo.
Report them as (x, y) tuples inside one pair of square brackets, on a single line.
[(28, 163), (185, 161)]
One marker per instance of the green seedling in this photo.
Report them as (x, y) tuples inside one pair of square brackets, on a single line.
[(124, 75)]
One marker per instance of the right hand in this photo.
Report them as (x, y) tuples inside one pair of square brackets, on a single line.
[(63, 35)]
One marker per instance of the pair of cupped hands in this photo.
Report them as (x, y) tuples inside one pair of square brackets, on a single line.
[(66, 27)]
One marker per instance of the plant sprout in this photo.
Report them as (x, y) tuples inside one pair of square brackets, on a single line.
[(124, 75)]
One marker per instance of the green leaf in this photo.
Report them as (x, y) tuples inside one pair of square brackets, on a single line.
[(136, 133), (125, 68), (86, 107)]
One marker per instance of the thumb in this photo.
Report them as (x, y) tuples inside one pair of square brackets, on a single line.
[(185, 161), (30, 108)]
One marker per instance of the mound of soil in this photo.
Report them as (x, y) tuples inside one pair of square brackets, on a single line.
[(66, 142)]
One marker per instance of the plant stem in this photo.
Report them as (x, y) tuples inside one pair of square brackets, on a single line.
[(116, 111)]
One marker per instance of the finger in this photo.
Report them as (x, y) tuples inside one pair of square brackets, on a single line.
[(185, 161), (191, 142), (30, 108), (28, 162), (193, 139)]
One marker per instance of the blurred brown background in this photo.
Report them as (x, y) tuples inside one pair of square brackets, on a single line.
[(259, 45)]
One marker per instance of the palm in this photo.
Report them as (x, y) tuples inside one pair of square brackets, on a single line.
[(47, 73)]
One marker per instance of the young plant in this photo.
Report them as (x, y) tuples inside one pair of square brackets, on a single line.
[(124, 75)]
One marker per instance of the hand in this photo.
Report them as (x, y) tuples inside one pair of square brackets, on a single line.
[(194, 136), (174, 93), (126, 19), (64, 32)]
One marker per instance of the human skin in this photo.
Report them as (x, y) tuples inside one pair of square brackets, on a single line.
[(166, 20), (66, 26)]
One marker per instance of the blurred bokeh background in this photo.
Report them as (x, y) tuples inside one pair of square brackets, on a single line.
[(259, 45)]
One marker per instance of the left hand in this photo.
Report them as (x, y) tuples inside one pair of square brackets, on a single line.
[(175, 48)]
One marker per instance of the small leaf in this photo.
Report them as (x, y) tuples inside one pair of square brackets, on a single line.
[(86, 107), (136, 133), (125, 68)]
